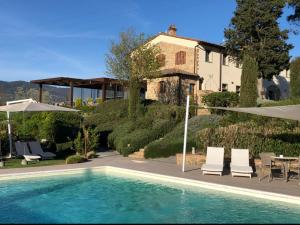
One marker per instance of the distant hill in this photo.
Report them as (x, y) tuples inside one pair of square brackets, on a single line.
[(16, 90)]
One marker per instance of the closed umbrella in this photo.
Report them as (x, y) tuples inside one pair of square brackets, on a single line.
[(29, 105)]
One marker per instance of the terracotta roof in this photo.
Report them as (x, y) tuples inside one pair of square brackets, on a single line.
[(190, 39)]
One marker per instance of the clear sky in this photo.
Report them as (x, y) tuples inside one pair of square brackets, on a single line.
[(49, 38)]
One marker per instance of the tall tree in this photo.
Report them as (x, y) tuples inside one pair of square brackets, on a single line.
[(132, 59), (295, 77), (248, 94), (254, 29), (295, 17)]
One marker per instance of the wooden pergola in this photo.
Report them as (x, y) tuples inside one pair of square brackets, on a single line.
[(96, 83)]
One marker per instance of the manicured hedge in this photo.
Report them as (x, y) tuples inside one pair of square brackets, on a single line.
[(172, 142), (270, 137), (75, 159), (221, 99)]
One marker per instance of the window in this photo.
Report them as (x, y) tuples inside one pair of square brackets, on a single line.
[(180, 58), (208, 55), (225, 60), (161, 58), (224, 87), (238, 89), (200, 83), (192, 89), (162, 87)]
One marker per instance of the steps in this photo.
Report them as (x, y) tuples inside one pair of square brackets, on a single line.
[(138, 155)]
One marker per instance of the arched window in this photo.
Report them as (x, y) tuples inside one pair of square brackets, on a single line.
[(162, 87), (161, 58), (180, 58)]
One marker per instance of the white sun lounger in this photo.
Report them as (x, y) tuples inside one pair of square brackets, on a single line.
[(22, 150), (36, 148), (239, 165), (214, 161)]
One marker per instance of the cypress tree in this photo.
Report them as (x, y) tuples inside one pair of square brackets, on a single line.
[(295, 78), (254, 30), (248, 94)]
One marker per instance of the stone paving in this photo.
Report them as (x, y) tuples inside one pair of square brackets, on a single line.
[(167, 166)]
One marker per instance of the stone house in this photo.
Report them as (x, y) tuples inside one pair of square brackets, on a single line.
[(196, 67)]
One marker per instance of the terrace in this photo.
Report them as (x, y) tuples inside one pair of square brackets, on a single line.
[(97, 88)]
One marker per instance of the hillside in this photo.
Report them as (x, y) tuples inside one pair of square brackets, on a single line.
[(21, 89)]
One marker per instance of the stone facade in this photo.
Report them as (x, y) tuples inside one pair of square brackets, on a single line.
[(208, 69), (170, 50)]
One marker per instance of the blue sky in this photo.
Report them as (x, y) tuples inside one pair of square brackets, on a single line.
[(49, 38)]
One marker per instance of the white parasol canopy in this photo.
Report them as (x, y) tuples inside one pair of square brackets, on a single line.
[(291, 112), (34, 107), (29, 105)]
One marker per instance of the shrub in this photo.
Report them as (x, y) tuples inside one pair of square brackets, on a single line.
[(75, 159), (271, 137), (79, 143), (172, 142), (221, 99), (141, 137), (64, 146), (295, 77), (91, 155)]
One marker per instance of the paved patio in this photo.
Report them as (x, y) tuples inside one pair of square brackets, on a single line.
[(167, 166)]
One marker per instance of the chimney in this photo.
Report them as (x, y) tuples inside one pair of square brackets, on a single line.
[(172, 30)]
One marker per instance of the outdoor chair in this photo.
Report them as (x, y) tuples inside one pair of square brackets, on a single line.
[(267, 164), (239, 165), (214, 161), (22, 150), (36, 148)]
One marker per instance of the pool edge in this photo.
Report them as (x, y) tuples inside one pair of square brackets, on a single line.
[(159, 177)]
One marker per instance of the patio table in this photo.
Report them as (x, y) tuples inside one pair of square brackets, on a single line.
[(285, 163)]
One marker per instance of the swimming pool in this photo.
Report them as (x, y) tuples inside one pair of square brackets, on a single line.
[(94, 196)]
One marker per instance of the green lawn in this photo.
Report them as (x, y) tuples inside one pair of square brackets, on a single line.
[(16, 163)]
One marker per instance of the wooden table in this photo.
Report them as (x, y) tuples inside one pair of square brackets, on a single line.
[(286, 164)]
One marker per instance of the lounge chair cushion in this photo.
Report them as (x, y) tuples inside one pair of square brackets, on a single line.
[(241, 169), (37, 149), (31, 157), (213, 168)]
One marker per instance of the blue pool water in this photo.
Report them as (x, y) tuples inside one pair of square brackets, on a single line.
[(93, 197)]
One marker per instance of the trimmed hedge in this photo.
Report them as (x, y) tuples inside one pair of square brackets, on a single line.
[(221, 99), (75, 159), (172, 142), (127, 143), (270, 137), (158, 119)]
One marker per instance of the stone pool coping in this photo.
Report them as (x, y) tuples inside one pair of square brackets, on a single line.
[(159, 177)]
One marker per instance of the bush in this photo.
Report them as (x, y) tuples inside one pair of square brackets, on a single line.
[(270, 137), (75, 159), (221, 99), (139, 138), (91, 155), (172, 142), (295, 77), (290, 101)]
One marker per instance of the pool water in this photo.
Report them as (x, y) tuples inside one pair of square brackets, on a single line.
[(95, 197)]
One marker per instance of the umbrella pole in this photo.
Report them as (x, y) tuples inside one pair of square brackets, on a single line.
[(185, 131), (9, 135)]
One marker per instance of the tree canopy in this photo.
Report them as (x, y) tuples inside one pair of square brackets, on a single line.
[(254, 30), (132, 56), (295, 17)]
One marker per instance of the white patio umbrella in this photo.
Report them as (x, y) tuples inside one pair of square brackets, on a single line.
[(28, 105)]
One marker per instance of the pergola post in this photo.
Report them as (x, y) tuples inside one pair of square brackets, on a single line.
[(115, 91), (103, 92), (71, 94), (41, 93)]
